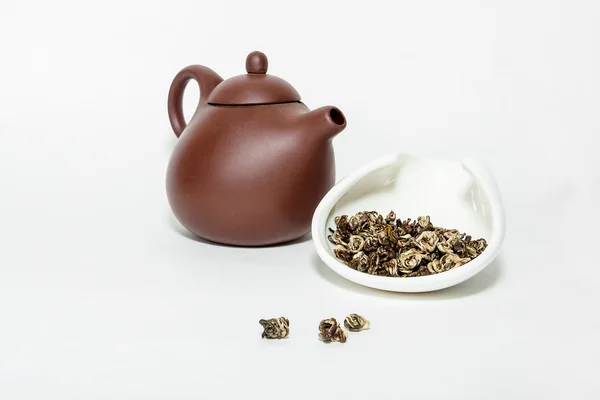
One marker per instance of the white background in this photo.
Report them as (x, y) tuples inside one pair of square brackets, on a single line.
[(103, 295)]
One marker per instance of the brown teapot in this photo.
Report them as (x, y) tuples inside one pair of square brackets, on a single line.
[(252, 164)]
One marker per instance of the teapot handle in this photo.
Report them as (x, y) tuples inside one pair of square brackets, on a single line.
[(207, 80)]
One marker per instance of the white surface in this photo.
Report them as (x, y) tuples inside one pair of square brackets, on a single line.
[(461, 195), (102, 296)]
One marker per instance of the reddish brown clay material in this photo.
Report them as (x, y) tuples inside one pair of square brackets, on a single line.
[(253, 163)]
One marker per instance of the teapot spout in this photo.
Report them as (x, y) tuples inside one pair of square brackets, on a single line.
[(327, 121)]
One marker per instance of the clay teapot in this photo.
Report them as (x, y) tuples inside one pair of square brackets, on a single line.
[(253, 163)]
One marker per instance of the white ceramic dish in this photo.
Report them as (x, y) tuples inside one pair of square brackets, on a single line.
[(461, 195)]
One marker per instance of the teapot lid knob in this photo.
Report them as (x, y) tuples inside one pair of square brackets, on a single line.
[(257, 63), (255, 87)]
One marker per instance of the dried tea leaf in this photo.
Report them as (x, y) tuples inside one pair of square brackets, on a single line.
[(330, 331), (275, 328), (391, 267), (425, 222), (409, 260), (356, 243), (342, 253), (427, 241), (356, 323), (435, 266), (391, 218)]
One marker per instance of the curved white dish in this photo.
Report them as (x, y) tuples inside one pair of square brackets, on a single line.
[(461, 195)]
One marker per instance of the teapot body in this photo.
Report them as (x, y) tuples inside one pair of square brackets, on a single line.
[(250, 175)]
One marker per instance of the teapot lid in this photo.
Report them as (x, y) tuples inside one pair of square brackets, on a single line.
[(255, 87)]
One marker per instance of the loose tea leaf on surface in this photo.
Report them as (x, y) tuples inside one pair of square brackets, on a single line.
[(275, 328), (386, 246), (330, 331), (356, 323)]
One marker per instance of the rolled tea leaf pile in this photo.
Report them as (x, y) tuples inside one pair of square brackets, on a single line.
[(370, 243)]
